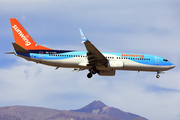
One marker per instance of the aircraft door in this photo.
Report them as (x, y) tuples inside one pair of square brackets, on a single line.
[(157, 60), (41, 55)]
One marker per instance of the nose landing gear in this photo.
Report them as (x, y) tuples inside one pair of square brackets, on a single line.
[(158, 76)]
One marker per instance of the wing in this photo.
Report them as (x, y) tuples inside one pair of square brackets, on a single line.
[(95, 57)]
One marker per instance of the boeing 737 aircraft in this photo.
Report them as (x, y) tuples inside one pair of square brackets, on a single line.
[(102, 63)]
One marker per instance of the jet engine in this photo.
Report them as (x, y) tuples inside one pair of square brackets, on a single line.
[(115, 64), (107, 72)]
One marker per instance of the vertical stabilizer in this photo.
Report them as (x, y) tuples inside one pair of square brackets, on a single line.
[(22, 38)]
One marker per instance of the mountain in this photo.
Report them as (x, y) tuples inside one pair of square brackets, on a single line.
[(94, 107), (100, 108), (37, 113), (93, 111)]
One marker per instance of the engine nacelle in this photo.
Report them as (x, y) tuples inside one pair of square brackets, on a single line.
[(107, 72), (115, 64)]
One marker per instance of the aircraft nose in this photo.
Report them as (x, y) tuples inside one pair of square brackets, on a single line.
[(171, 65)]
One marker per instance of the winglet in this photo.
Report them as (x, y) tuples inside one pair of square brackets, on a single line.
[(84, 38)]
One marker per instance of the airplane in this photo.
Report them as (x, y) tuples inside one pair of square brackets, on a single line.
[(97, 62)]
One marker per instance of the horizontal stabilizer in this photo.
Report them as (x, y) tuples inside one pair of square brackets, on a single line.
[(20, 49), (9, 53)]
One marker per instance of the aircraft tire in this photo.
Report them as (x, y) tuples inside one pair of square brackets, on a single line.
[(94, 72), (89, 75), (157, 76)]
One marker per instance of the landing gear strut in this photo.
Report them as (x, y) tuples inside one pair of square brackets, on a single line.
[(157, 76), (91, 72)]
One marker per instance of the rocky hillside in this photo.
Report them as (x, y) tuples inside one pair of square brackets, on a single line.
[(94, 111)]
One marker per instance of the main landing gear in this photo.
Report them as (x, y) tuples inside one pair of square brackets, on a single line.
[(91, 72), (89, 75)]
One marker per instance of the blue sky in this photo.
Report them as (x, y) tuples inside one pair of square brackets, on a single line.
[(150, 27)]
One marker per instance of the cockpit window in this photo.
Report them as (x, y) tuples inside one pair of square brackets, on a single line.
[(165, 60)]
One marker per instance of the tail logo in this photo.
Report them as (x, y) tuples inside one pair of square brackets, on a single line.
[(27, 43)]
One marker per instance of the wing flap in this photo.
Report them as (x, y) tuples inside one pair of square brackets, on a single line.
[(93, 52)]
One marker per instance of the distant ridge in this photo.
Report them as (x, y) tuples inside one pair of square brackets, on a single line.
[(93, 111)]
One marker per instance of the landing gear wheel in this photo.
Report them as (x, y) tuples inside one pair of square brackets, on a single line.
[(157, 76), (89, 75), (93, 70)]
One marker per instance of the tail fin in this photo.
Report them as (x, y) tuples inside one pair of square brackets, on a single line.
[(22, 38)]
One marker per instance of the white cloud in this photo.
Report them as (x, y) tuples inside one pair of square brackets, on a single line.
[(33, 84)]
